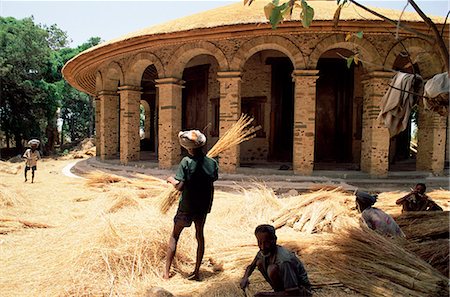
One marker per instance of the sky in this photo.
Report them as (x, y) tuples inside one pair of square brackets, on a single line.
[(111, 19)]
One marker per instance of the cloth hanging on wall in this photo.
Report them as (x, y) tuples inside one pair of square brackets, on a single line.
[(397, 104)]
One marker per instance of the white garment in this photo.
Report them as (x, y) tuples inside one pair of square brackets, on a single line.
[(396, 105), (437, 85)]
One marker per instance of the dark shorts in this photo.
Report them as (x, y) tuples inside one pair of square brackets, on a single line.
[(32, 168), (185, 219)]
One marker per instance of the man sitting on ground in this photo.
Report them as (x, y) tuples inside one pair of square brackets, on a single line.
[(375, 218), (281, 268), (417, 200)]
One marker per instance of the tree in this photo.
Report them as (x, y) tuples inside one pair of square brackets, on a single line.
[(24, 55)]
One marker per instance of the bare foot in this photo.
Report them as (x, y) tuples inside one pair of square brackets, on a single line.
[(195, 276), (167, 275)]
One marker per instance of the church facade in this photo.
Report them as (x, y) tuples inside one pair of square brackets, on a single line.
[(316, 112)]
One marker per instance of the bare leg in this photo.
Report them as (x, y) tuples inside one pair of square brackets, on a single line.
[(199, 235), (173, 241), (26, 171), (276, 280), (32, 176)]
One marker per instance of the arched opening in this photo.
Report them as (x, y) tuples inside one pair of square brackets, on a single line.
[(267, 94), (201, 97), (149, 115), (403, 146), (338, 125)]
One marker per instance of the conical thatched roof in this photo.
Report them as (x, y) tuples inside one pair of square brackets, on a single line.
[(240, 14)]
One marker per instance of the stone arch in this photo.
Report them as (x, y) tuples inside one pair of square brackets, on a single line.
[(188, 51), (422, 52), (137, 65), (111, 77), (367, 51), (271, 42)]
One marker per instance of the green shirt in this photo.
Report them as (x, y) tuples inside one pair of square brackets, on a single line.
[(198, 174)]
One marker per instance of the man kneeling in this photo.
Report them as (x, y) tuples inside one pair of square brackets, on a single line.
[(281, 268)]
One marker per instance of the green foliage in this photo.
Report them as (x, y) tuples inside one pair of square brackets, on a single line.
[(307, 14), (31, 85)]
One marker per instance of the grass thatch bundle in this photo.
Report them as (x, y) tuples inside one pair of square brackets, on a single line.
[(424, 225), (9, 168), (376, 266), (239, 132), (10, 198), (434, 252), (315, 212), (99, 179)]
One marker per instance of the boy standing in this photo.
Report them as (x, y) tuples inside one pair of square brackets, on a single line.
[(31, 155), (195, 177), (281, 268)]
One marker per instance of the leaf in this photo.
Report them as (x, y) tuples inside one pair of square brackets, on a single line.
[(276, 17), (307, 14), (348, 36), (359, 34), (336, 16), (356, 59), (268, 10), (349, 62)]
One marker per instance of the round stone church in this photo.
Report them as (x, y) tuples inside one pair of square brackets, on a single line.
[(316, 113)]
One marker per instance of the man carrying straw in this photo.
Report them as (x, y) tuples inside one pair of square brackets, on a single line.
[(31, 157), (195, 177)]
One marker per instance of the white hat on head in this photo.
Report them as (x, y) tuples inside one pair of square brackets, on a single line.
[(34, 142), (191, 139)]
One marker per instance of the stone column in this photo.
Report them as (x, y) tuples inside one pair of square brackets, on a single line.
[(304, 120), (130, 98), (230, 111), (375, 137), (107, 124), (431, 137), (170, 111)]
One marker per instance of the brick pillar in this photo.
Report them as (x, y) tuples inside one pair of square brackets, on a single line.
[(107, 124), (98, 117), (375, 137), (304, 120), (431, 142), (130, 98), (230, 111), (170, 111)]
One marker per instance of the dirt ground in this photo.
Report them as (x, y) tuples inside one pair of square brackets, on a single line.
[(61, 238)]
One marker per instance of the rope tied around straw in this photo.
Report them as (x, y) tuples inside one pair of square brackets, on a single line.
[(239, 132)]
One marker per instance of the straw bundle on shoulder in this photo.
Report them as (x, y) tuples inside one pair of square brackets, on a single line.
[(239, 132)]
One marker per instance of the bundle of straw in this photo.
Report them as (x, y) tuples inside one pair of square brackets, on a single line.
[(9, 168), (10, 198), (316, 211), (376, 266), (98, 179), (424, 225), (239, 132), (434, 252)]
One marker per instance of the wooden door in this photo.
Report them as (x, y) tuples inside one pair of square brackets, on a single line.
[(195, 97)]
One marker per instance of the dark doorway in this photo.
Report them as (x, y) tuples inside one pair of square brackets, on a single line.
[(195, 97), (149, 95), (282, 110), (334, 106)]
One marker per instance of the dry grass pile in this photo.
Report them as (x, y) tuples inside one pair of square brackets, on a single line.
[(122, 198), (239, 132), (319, 211), (376, 266), (10, 168), (10, 198), (434, 252), (424, 225), (99, 179)]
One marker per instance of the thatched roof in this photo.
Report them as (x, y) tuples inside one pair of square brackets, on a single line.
[(238, 14)]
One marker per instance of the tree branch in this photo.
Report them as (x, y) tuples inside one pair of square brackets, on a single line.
[(406, 28), (437, 37)]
